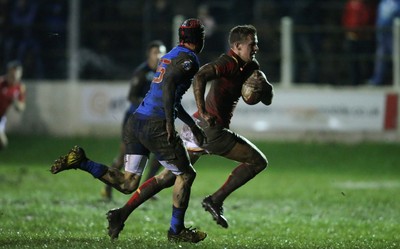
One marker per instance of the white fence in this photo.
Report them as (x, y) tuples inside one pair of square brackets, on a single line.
[(97, 109)]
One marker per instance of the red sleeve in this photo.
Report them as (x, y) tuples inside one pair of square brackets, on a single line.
[(225, 65)]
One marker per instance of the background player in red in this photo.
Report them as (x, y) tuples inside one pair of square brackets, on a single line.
[(140, 85), (151, 128), (12, 92), (226, 76)]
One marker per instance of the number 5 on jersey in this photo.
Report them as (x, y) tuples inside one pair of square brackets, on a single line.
[(161, 70)]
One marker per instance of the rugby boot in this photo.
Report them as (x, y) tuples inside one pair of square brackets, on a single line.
[(115, 223), (216, 210), (70, 161), (191, 235)]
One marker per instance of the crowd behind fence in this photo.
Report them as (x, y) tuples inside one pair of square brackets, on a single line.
[(109, 36)]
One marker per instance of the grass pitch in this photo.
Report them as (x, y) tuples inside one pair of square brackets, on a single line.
[(311, 196)]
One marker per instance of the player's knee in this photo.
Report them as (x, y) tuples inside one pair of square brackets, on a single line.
[(128, 188), (189, 176), (118, 163), (130, 184), (262, 164), (166, 180)]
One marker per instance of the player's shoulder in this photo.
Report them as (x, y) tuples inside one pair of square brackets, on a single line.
[(188, 55), (180, 52), (226, 59), (185, 59), (226, 64)]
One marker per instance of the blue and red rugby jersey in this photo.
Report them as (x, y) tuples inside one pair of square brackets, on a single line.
[(180, 64)]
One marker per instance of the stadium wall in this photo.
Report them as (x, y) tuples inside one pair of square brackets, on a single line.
[(304, 112)]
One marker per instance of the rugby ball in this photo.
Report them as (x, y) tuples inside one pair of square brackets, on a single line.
[(254, 87)]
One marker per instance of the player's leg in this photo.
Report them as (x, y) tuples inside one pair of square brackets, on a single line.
[(3, 137), (179, 173), (148, 189), (165, 179), (152, 186), (125, 182), (117, 163), (252, 161), (128, 181), (185, 175), (154, 167)]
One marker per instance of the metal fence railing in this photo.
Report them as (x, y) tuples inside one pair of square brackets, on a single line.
[(105, 40)]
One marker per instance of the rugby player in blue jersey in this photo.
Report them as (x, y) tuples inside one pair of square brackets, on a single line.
[(152, 129), (140, 85)]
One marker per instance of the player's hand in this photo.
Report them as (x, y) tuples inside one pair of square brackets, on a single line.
[(171, 132), (268, 94), (209, 118), (199, 135), (23, 88), (254, 82), (257, 88)]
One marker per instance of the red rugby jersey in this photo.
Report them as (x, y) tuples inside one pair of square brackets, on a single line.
[(8, 93), (225, 90)]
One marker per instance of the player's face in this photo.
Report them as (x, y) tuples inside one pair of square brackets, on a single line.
[(15, 74), (247, 50)]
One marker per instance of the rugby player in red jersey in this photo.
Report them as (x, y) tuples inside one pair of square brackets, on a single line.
[(227, 75), (12, 92)]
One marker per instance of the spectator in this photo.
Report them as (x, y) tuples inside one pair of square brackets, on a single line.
[(358, 16), (388, 10), (22, 42), (4, 18)]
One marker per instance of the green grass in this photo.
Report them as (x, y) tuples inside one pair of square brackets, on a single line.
[(313, 195)]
